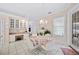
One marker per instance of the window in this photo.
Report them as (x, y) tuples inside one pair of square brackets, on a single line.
[(58, 24)]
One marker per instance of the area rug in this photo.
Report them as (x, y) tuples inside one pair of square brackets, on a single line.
[(68, 51), (39, 51)]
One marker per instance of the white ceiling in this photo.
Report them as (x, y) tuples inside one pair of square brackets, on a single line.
[(32, 10)]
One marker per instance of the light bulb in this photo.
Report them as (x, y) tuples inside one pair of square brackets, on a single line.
[(41, 22)]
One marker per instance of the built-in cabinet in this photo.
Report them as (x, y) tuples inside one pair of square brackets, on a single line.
[(18, 25)]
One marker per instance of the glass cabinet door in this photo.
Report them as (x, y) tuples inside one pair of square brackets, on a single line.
[(17, 23), (75, 29), (11, 23)]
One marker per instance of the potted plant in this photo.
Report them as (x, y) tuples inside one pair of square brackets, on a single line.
[(47, 32)]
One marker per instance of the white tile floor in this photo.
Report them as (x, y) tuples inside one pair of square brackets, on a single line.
[(21, 48)]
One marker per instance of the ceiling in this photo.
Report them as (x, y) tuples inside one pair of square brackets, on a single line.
[(32, 11)]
